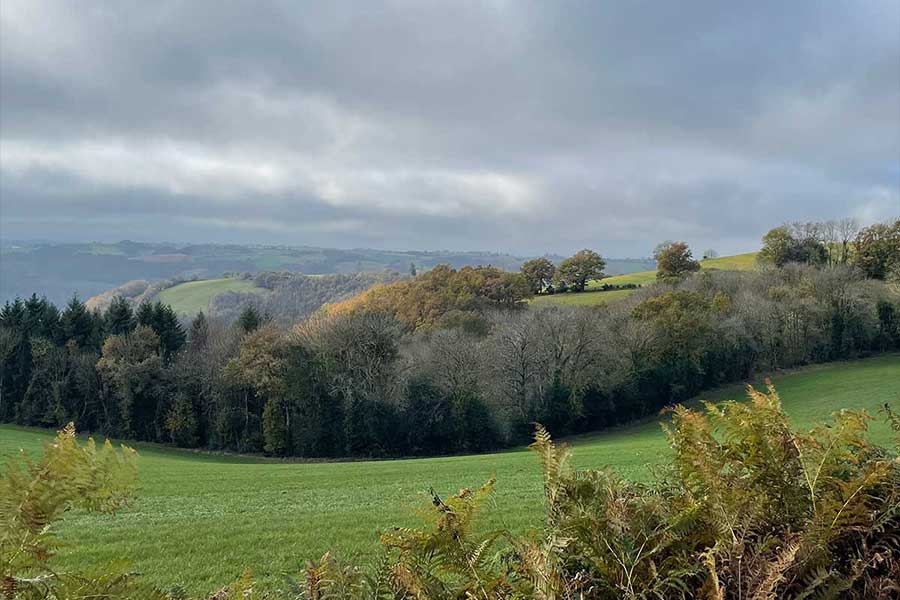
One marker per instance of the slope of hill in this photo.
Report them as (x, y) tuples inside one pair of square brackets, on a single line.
[(200, 519), (136, 291), (588, 298), (738, 262), (291, 297), (191, 297)]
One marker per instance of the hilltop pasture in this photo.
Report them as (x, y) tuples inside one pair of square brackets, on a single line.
[(201, 518), (593, 295), (191, 297)]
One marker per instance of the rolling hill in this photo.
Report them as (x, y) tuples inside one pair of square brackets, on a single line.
[(191, 297), (738, 262), (201, 518), (57, 270)]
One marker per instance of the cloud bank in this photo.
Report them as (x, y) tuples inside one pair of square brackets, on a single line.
[(517, 126)]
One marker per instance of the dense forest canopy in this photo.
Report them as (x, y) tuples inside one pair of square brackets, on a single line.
[(450, 360)]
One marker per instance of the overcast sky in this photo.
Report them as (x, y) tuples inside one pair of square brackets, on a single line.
[(513, 126)]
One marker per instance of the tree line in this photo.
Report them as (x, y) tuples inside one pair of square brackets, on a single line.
[(874, 249), (448, 361)]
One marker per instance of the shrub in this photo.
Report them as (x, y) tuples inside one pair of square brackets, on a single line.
[(747, 509), (35, 495)]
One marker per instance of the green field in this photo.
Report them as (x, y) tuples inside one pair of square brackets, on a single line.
[(738, 262), (200, 519), (588, 298), (191, 297)]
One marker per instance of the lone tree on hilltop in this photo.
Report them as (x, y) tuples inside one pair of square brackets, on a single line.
[(674, 261), (577, 270)]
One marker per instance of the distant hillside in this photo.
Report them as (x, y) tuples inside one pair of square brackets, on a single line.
[(89, 269), (593, 295), (191, 297), (137, 291), (287, 297)]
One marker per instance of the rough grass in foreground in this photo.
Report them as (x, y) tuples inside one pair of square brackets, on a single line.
[(199, 519)]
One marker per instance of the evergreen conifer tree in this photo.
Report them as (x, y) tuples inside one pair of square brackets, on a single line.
[(78, 324), (119, 317)]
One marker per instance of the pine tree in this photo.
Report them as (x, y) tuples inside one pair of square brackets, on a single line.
[(15, 357), (198, 336), (42, 318), (119, 317), (145, 314), (161, 318), (78, 323), (168, 328), (12, 315), (249, 319)]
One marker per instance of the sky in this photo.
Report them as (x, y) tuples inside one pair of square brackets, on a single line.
[(523, 127)]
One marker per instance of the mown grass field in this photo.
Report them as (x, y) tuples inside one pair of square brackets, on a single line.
[(592, 297), (200, 519), (191, 297), (738, 262)]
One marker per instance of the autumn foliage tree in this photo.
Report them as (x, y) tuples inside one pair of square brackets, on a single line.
[(259, 371), (34, 496), (538, 273), (422, 302), (877, 250), (674, 261)]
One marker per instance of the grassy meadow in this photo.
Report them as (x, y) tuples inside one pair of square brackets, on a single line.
[(199, 518), (586, 298), (191, 297), (738, 262)]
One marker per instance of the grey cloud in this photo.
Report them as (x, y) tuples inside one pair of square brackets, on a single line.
[(523, 126)]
